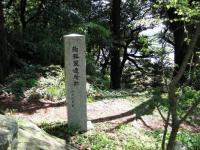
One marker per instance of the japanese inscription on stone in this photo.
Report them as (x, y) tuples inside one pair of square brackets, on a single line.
[(75, 72)]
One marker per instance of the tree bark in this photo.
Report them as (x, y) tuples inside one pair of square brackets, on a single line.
[(173, 87), (115, 49), (172, 138), (165, 130), (4, 55), (180, 45)]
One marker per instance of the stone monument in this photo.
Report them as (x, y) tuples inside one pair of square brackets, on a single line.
[(75, 74)]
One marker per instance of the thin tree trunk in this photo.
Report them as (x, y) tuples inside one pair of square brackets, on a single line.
[(165, 130), (172, 139)]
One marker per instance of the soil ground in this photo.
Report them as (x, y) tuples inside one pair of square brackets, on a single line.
[(111, 111)]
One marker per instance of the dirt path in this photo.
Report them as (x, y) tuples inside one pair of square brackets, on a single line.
[(115, 111), (95, 111), (112, 111)]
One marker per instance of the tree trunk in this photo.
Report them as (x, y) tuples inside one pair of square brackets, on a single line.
[(115, 70), (177, 27), (172, 138), (175, 122), (173, 88), (115, 50), (4, 55)]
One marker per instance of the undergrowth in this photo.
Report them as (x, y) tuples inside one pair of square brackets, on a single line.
[(189, 139), (35, 82), (97, 139)]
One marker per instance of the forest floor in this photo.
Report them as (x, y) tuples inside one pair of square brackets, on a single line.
[(121, 120), (115, 111)]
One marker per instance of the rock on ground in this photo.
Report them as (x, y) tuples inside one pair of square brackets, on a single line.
[(8, 133), (25, 135), (31, 137)]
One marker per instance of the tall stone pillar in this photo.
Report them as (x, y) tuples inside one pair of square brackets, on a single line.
[(75, 73)]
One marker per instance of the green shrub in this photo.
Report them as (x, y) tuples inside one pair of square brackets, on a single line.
[(56, 92), (52, 86), (191, 140), (31, 83), (18, 87)]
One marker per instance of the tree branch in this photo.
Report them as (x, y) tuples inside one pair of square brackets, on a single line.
[(162, 116), (134, 62)]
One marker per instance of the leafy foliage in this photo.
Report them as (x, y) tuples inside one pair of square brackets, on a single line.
[(191, 140)]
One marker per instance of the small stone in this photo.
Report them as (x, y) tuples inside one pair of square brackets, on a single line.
[(90, 126)]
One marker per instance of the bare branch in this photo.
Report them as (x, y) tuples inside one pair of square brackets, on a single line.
[(161, 114)]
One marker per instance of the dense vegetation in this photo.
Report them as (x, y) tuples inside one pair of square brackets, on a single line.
[(130, 45)]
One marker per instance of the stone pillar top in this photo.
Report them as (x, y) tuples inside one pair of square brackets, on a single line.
[(72, 35)]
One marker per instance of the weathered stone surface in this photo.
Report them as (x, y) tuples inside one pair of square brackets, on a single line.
[(31, 137), (25, 135), (8, 133), (75, 72)]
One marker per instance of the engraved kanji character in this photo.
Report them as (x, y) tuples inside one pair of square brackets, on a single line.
[(76, 77), (75, 56), (76, 63), (74, 49), (75, 70), (76, 83)]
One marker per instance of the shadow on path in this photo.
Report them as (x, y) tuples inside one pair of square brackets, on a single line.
[(145, 108), (26, 106)]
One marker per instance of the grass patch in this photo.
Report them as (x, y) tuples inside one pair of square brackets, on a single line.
[(191, 140), (99, 139), (59, 129), (95, 141), (135, 144)]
